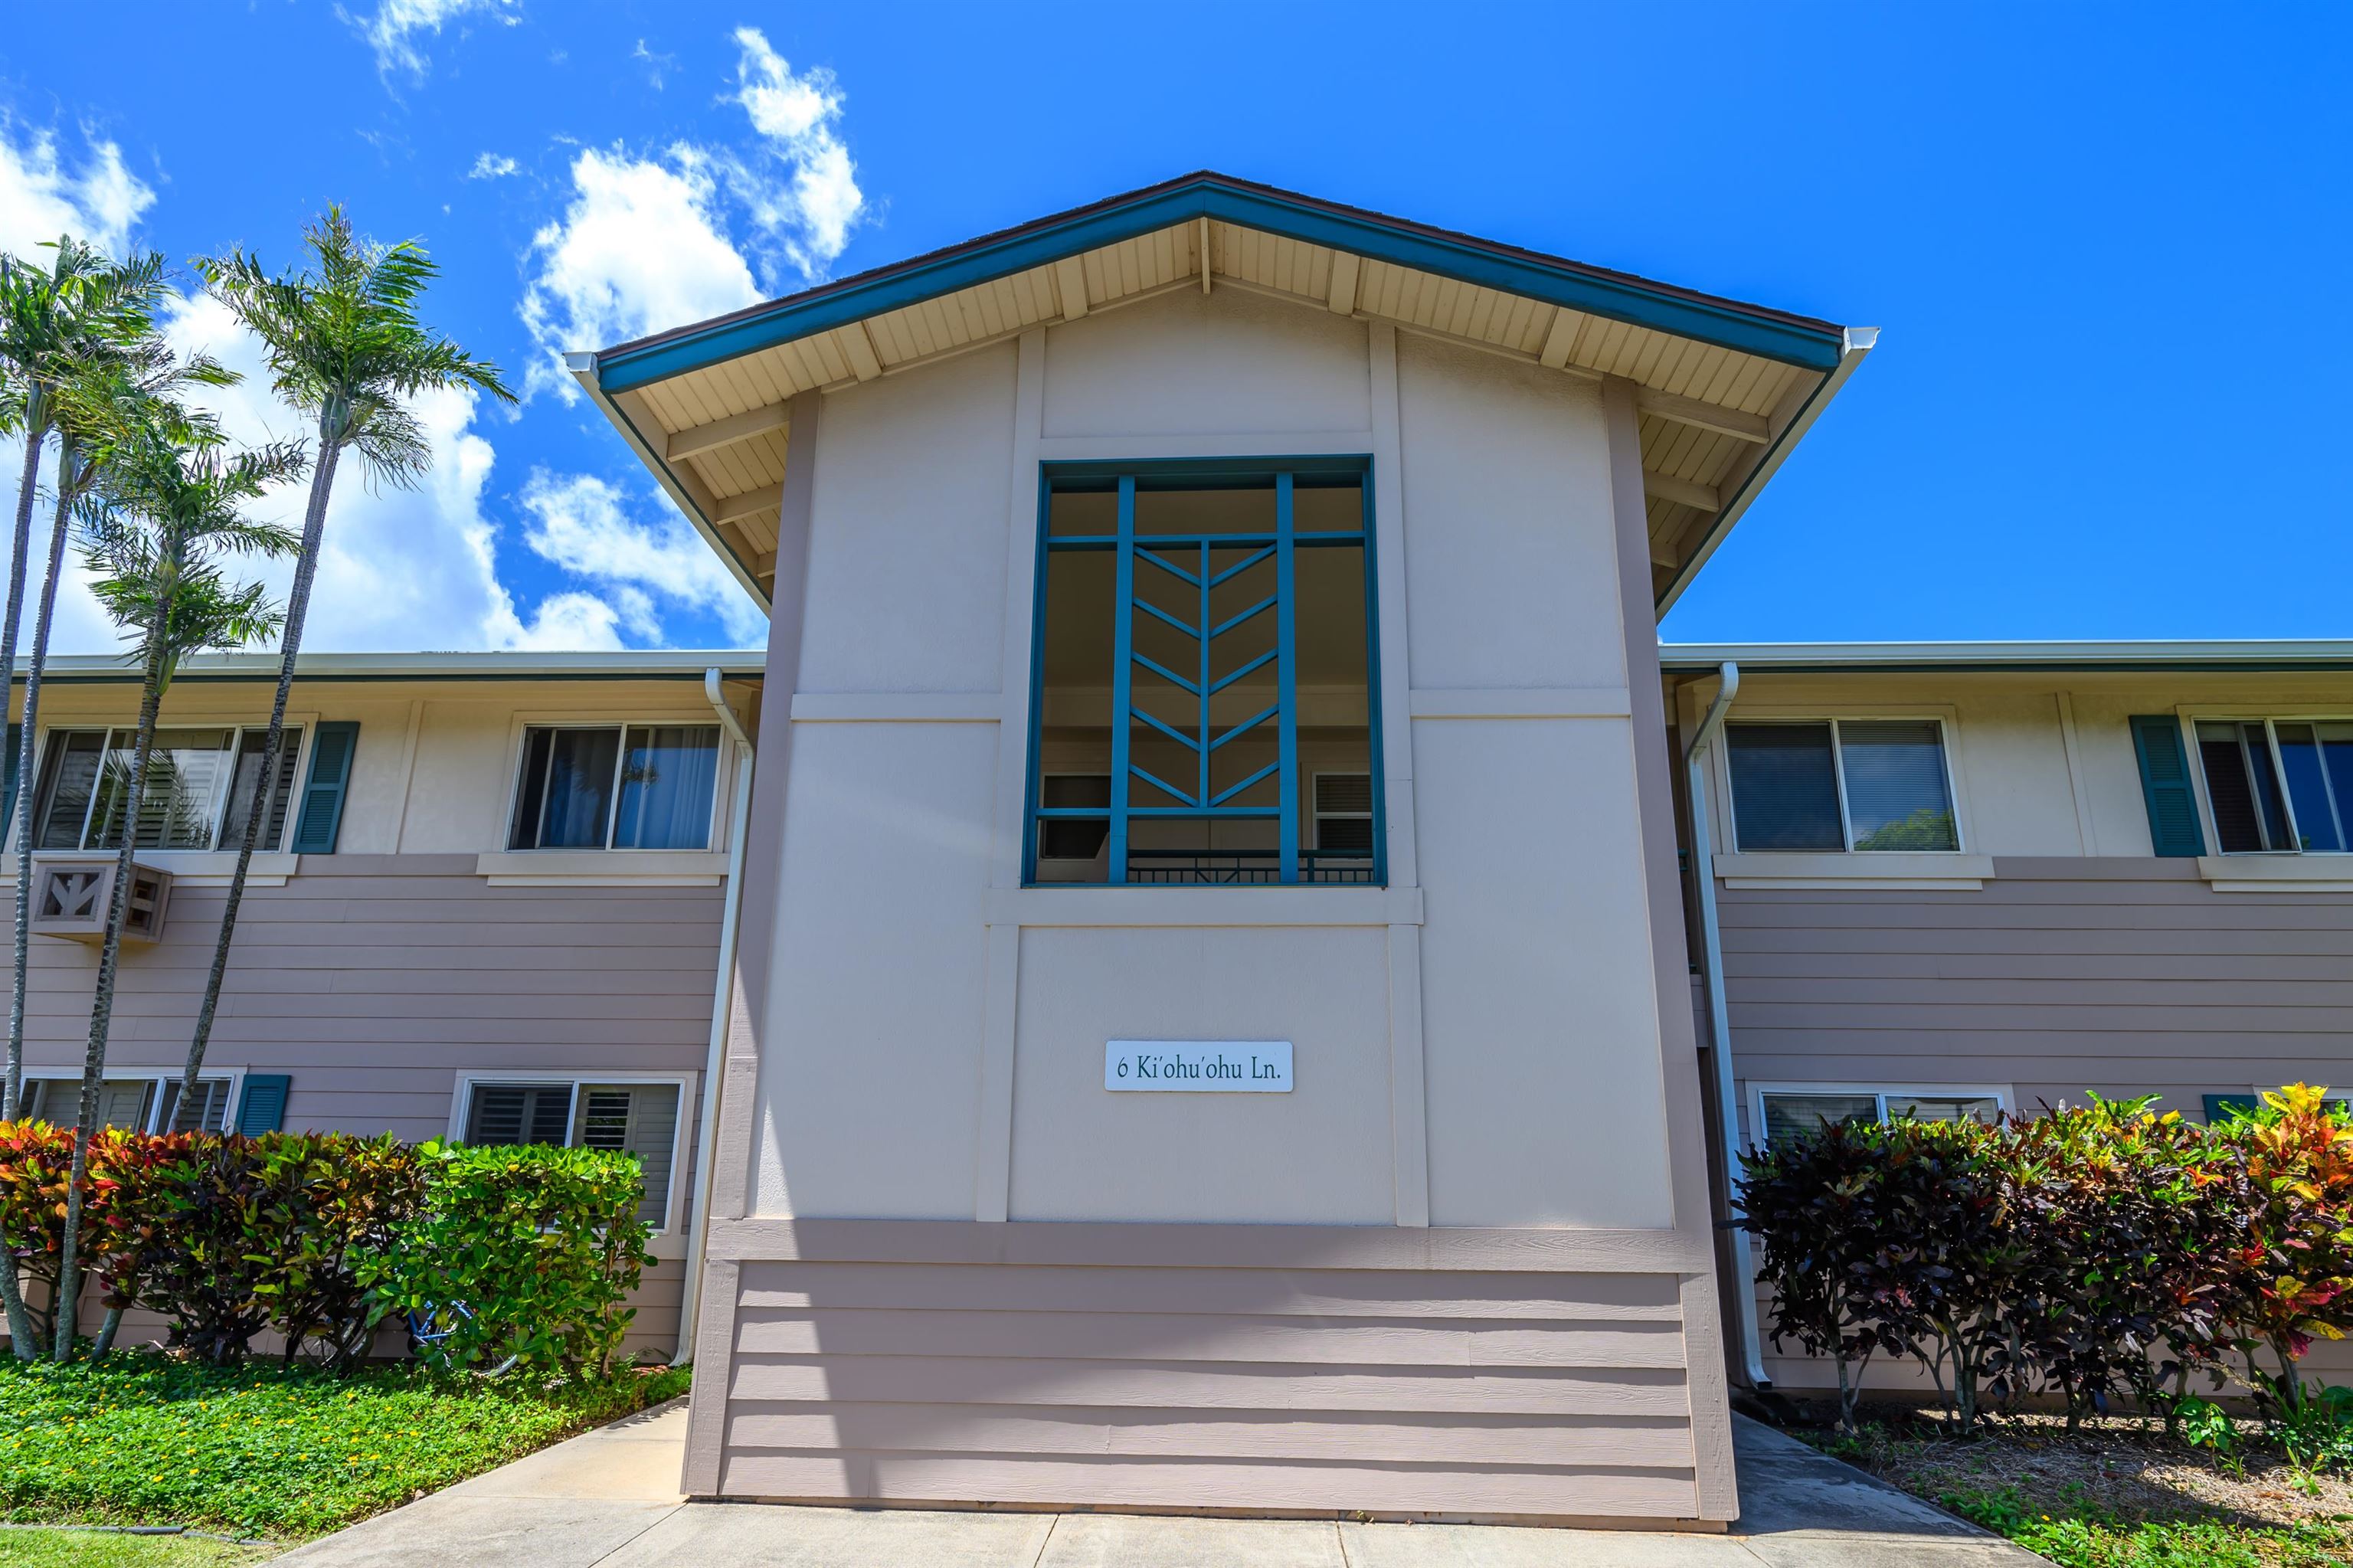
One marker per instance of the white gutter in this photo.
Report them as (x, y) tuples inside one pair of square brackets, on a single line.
[(1719, 1019), (723, 1000)]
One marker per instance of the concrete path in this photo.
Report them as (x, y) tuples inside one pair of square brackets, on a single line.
[(610, 1500)]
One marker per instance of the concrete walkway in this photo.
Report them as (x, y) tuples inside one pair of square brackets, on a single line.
[(609, 1499)]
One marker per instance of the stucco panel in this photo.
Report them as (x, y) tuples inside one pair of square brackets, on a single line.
[(1318, 1154), (1511, 571), (873, 1049), (1541, 1030), (1184, 363), (906, 567)]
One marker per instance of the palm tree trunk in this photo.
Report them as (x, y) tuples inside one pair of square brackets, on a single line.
[(109, 953), (297, 605), (27, 758), (20, 1322)]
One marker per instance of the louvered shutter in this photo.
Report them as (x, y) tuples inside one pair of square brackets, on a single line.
[(321, 819), (262, 1106), (2165, 784), (640, 1119)]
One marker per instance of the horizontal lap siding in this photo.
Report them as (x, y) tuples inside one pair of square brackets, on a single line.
[(2124, 975), (1267, 1388), (374, 980)]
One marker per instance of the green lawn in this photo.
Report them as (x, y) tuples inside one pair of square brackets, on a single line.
[(93, 1549), (147, 1439)]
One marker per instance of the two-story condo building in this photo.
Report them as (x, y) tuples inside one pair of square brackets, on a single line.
[(1228, 970)]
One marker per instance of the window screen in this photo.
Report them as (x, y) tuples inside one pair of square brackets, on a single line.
[(1896, 795), (1944, 1107), (206, 1111), (1784, 787)]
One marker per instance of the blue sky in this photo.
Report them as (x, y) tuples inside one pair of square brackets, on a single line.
[(2106, 248)]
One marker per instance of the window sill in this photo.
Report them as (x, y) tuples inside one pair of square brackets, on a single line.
[(1922, 871), (189, 868), (2277, 873), (603, 868)]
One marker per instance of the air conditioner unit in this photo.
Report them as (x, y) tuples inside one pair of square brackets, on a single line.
[(70, 898)]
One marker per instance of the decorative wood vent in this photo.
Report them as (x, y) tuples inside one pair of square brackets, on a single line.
[(70, 899)]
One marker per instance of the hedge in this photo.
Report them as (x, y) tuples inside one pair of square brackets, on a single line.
[(321, 1237), (2092, 1252)]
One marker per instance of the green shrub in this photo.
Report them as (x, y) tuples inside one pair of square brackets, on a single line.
[(541, 1245), (2091, 1251), (225, 1237)]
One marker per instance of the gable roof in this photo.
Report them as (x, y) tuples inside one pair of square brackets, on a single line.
[(1724, 388)]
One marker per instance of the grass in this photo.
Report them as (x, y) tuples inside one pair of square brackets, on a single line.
[(2114, 1496), (147, 1438), (94, 1549)]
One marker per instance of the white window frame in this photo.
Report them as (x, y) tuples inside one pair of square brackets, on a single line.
[(49, 735), (159, 1084), (1947, 744), (1315, 815), (461, 1100), (1999, 1094), (2271, 720), (721, 779)]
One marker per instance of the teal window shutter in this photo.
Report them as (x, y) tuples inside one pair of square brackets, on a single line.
[(321, 819), (2221, 1108), (262, 1107), (8, 787), (2164, 784)]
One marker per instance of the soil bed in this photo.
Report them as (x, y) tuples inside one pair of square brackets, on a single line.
[(2116, 1494)]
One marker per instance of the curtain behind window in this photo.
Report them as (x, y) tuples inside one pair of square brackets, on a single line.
[(667, 778), (1897, 797)]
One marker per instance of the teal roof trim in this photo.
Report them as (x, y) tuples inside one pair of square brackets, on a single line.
[(1616, 296)]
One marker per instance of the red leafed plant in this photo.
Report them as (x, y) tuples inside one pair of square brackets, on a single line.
[(2299, 1287)]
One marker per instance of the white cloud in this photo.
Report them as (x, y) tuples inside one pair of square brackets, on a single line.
[(642, 247), (799, 117), (569, 620), (491, 166), (41, 198), (397, 31), (586, 525), (657, 65)]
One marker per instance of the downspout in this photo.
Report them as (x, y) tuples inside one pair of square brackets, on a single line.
[(1719, 1021), (689, 1299)]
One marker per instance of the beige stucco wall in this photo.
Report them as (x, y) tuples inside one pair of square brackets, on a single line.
[(1535, 994), (914, 1111)]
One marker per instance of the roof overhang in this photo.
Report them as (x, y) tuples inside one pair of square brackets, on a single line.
[(1724, 390), (630, 664), (2255, 655)]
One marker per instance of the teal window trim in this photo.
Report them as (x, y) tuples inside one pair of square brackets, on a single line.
[(1200, 803)]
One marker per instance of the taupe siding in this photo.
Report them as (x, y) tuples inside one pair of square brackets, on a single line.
[(374, 980), (2062, 975), (2125, 976), (1301, 1389)]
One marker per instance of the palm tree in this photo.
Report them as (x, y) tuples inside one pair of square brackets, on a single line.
[(345, 345), (169, 506), (85, 311), (85, 320)]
